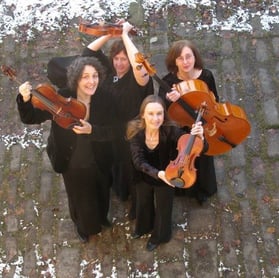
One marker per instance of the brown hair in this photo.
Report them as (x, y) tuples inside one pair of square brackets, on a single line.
[(74, 71), (137, 124), (175, 51), (116, 47)]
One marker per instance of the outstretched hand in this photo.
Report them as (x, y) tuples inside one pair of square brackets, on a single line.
[(162, 176)]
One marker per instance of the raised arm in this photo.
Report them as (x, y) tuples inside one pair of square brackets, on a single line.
[(99, 42), (141, 75)]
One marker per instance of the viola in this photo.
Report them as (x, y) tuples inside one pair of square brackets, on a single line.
[(181, 172), (97, 30), (225, 125), (66, 112)]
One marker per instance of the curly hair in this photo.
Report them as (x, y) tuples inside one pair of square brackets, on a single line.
[(75, 69)]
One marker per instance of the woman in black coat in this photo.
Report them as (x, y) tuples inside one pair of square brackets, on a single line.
[(184, 63), (73, 151), (128, 84), (153, 142)]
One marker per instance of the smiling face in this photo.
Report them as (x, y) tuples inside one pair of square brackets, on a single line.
[(88, 82), (153, 115), (121, 64)]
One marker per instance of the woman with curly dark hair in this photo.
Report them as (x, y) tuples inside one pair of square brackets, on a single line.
[(72, 152)]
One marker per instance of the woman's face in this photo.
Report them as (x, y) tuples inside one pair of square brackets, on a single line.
[(186, 61), (88, 82), (153, 115), (121, 63)]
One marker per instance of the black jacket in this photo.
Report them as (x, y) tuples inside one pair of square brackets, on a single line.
[(148, 164), (62, 142)]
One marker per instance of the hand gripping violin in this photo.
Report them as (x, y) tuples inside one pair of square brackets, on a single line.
[(95, 29), (66, 112), (181, 172), (225, 125)]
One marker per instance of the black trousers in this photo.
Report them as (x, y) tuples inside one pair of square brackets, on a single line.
[(123, 170), (154, 211), (88, 198)]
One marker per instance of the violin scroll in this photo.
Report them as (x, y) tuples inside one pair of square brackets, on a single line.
[(9, 71)]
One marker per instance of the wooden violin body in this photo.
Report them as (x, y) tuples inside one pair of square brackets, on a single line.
[(66, 112), (225, 125), (181, 172), (102, 29)]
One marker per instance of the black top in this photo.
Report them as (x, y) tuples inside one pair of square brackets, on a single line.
[(206, 182), (126, 94), (149, 162), (62, 142), (206, 76)]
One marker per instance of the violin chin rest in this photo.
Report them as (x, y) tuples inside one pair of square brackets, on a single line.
[(177, 182)]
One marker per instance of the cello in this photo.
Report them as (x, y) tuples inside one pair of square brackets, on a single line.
[(181, 172), (225, 125), (66, 112)]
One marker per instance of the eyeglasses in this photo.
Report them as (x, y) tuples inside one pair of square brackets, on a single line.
[(186, 57)]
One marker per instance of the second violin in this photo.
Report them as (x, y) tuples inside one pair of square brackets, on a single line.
[(181, 172)]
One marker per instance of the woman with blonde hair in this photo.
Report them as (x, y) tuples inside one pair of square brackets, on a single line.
[(153, 142)]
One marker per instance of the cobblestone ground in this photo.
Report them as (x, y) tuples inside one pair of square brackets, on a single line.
[(234, 234)]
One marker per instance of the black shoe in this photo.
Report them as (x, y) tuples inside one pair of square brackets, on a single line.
[(82, 237), (135, 236), (151, 246)]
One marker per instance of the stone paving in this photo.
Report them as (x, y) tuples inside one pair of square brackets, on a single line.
[(234, 234)]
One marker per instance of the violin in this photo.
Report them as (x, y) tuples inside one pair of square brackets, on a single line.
[(181, 172), (225, 125), (66, 112), (97, 30)]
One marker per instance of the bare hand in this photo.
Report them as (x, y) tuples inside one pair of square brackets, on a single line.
[(84, 128), (173, 95), (197, 129), (126, 27), (162, 176), (25, 91)]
